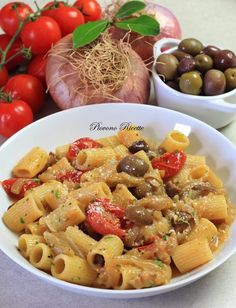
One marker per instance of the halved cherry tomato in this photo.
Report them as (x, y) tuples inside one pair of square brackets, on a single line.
[(11, 15), (68, 18), (171, 163), (3, 76), (105, 218), (16, 47), (37, 67), (40, 34), (80, 144), (91, 9), (14, 116), (73, 176), (50, 7), (28, 88), (26, 185)]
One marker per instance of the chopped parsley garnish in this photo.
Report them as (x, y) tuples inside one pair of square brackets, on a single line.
[(22, 220), (159, 263), (57, 194)]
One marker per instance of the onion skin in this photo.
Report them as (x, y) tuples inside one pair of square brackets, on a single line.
[(143, 45), (136, 88)]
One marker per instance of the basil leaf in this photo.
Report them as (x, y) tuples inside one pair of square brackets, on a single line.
[(87, 33), (129, 8), (144, 25)]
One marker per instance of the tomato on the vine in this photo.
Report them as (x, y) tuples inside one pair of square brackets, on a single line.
[(68, 18), (37, 67), (40, 34), (14, 116), (11, 15), (91, 9), (16, 47), (3, 76), (28, 88), (50, 8)]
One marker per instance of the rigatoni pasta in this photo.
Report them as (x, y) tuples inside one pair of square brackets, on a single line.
[(118, 212)]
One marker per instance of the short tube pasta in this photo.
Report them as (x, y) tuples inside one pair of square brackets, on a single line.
[(60, 167), (89, 223), (175, 140), (127, 137), (31, 164), (122, 196), (41, 257), (204, 229), (22, 213), (212, 207), (27, 241), (65, 215), (73, 269), (79, 240), (88, 159), (107, 248), (192, 254)]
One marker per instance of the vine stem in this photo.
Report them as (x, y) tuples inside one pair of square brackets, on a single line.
[(11, 42), (3, 53)]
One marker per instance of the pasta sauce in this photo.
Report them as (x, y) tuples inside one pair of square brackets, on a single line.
[(120, 212)]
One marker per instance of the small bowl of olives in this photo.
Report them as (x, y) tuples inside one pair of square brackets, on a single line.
[(196, 79)]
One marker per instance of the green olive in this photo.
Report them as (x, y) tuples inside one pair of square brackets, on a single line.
[(179, 54), (191, 83), (166, 66), (191, 46), (214, 82), (133, 165), (203, 63), (230, 76)]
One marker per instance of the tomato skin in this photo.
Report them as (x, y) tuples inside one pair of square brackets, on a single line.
[(80, 144), (3, 76), (52, 7), (37, 67), (28, 184), (171, 163), (90, 8), (27, 88), (40, 34), (16, 47), (14, 116), (11, 15), (68, 18), (73, 176), (104, 217)]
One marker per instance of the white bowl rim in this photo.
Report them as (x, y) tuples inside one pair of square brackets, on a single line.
[(119, 294)]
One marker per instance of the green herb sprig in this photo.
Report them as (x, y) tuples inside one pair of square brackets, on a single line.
[(144, 24)]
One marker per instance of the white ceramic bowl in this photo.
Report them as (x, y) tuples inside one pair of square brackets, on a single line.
[(217, 111), (66, 126)]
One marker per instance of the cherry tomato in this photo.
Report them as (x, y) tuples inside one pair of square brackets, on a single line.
[(171, 163), (90, 8), (11, 15), (16, 47), (80, 144), (40, 34), (105, 218), (68, 18), (37, 67), (28, 88), (51, 8), (26, 185), (14, 116), (3, 76), (73, 176)]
